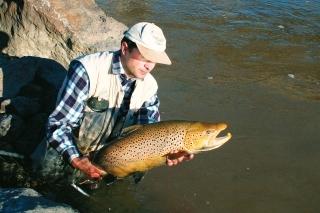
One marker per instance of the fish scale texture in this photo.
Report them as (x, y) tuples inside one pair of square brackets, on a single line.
[(145, 147)]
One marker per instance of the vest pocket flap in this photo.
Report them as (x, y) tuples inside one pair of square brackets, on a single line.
[(97, 105)]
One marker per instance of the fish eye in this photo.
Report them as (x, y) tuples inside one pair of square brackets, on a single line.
[(208, 132)]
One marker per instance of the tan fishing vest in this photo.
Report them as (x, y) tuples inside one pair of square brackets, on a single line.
[(96, 127)]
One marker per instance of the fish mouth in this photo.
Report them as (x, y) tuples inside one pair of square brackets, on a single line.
[(216, 142)]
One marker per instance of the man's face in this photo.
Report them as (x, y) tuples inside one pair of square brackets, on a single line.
[(134, 64)]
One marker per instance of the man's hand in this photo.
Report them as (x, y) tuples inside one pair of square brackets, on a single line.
[(171, 160), (84, 164)]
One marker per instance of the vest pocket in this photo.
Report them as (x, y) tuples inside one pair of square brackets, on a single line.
[(91, 127)]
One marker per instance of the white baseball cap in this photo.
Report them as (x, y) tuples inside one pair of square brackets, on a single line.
[(150, 41)]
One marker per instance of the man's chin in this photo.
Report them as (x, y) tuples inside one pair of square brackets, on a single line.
[(141, 76)]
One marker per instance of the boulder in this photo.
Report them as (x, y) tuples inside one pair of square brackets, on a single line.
[(24, 106), (16, 75), (28, 200), (59, 29), (31, 93)]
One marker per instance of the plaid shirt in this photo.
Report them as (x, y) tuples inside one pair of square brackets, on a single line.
[(69, 112)]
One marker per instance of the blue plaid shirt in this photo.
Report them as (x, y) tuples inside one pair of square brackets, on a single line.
[(69, 111)]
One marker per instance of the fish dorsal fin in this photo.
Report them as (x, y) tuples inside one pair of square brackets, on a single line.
[(129, 129)]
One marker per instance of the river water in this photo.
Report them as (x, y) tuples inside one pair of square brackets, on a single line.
[(254, 65)]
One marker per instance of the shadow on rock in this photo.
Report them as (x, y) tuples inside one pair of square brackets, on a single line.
[(28, 91)]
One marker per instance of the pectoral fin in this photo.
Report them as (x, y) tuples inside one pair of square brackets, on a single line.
[(109, 179), (176, 155), (138, 176)]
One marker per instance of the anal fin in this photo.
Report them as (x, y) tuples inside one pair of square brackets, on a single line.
[(138, 176)]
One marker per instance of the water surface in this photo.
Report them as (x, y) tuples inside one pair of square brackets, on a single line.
[(231, 61)]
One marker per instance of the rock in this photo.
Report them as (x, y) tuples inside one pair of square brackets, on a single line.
[(29, 140), (50, 73), (28, 200), (31, 91), (5, 106), (6, 146), (60, 30), (3, 61), (290, 75), (16, 172), (50, 99), (24, 106), (19, 73), (15, 75), (34, 102), (24, 114), (11, 126)]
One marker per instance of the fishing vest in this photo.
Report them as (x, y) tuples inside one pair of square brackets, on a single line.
[(98, 127)]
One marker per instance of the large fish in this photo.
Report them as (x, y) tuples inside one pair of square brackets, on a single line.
[(143, 147)]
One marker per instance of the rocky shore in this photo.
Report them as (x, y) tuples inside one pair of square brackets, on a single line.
[(22, 126), (37, 41)]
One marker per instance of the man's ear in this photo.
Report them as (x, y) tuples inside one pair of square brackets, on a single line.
[(124, 48)]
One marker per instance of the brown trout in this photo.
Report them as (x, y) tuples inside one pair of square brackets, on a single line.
[(143, 147)]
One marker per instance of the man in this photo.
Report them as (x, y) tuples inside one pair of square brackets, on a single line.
[(102, 94)]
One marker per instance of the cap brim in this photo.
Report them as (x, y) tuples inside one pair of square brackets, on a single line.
[(154, 56)]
